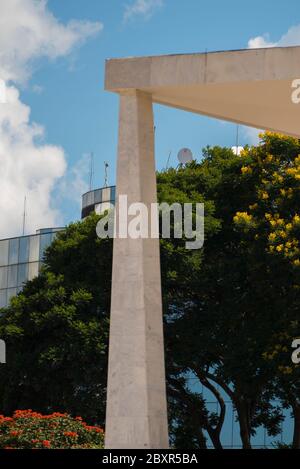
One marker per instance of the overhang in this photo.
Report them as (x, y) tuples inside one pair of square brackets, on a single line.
[(251, 87)]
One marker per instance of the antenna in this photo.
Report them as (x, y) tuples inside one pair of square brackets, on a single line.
[(106, 166), (237, 148), (168, 160), (185, 156), (91, 171), (24, 217)]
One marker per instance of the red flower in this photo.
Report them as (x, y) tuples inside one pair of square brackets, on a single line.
[(71, 434), (46, 443)]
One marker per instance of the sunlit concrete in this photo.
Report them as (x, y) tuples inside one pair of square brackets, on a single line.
[(251, 87)]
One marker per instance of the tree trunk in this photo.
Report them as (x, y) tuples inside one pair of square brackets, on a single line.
[(296, 436), (215, 438), (243, 415), (201, 439)]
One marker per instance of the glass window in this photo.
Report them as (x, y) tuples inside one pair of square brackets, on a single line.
[(34, 248), (98, 196), (24, 250), (106, 194), (45, 241), (13, 251), (22, 274), (90, 198), (53, 236), (10, 293), (3, 303), (4, 252), (84, 200), (3, 277), (12, 276), (33, 270), (113, 194)]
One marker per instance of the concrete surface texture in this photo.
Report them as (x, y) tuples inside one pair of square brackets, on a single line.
[(136, 401), (251, 87)]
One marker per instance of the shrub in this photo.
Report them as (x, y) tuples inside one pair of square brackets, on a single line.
[(30, 430)]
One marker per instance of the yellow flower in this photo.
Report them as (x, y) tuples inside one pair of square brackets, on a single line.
[(277, 177), (246, 170), (272, 237), (282, 234), (296, 219), (291, 171), (296, 262), (264, 195), (279, 248), (242, 217)]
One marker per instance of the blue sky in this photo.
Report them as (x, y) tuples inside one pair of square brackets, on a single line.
[(66, 95), (58, 69)]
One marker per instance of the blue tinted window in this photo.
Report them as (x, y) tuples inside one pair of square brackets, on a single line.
[(13, 251), (90, 198), (3, 302), (45, 241), (98, 196), (12, 276), (4, 252), (84, 200), (3, 277), (113, 194), (24, 250), (22, 274), (10, 293)]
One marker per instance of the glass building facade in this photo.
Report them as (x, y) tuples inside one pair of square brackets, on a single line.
[(98, 200), (20, 260)]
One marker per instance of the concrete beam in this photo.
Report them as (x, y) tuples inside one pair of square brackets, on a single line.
[(251, 87)]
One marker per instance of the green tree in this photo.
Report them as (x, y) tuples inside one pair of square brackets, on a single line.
[(56, 330), (231, 309)]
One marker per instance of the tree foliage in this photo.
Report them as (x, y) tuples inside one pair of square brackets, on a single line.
[(231, 309)]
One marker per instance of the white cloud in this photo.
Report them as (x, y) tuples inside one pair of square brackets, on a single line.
[(29, 166), (290, 38), (141, 9), (29, 31), (75, 183)]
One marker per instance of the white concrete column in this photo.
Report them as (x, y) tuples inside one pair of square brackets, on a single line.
[(136, 414)]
